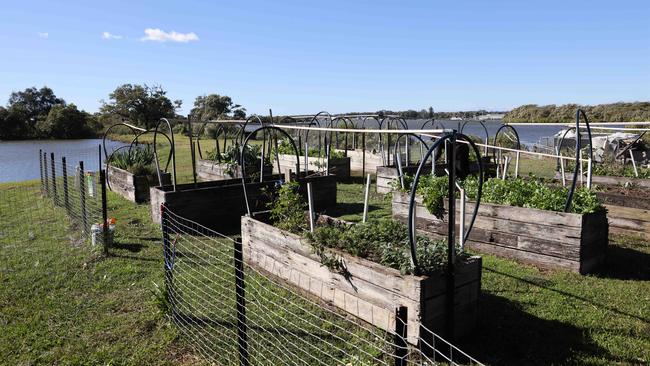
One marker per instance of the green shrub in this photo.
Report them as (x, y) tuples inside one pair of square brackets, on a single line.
[(288, 209)]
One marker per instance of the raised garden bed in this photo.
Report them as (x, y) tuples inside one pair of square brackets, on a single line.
[(628, 209), (372, 160), (209, 170), (607, 180), (548, 239), (134, 188), (387, 175), (340, 167), (368, 290), (219, 205), (627, 202)]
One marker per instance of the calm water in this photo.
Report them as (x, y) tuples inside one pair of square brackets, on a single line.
[(19, 159)]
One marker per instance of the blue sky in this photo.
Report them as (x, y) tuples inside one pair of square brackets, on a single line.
[(339, 56)]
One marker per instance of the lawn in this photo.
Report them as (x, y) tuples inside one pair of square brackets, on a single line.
[(62, 303)]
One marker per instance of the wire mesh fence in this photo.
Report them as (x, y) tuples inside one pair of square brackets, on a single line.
[(236, 314), (66, 196)]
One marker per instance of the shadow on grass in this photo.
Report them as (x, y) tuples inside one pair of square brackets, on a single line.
[(133, 257), (625, 263), (507, 335), (545, 285), (131, 247)]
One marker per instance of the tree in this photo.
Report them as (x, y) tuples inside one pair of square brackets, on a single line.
[(141, 104), (29, 106), (64, 122), (430, 115), (13, 125), (214, 106), (36, 102)]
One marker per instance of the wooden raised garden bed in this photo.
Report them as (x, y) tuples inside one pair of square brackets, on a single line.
[(339, 167), (575, 242), (356, 160), (627, 201), (628, 210), (208, 170), (607, 180), (219, 205), (134, 188), (371, 292), (386, 175)]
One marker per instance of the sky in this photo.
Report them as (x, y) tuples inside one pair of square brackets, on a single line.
[(339, 56)]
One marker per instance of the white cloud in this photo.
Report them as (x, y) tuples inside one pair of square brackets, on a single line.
[(109, 35), (43, 35), (155, 34)]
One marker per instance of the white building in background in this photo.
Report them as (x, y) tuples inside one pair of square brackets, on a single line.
[(491, 116)]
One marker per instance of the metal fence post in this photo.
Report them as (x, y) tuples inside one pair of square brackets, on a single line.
[(102, 182), (401, 347), (66, 198), (55, 198), (82, 198), (242, 340), (40, 166), (47, 179), (451, 231)]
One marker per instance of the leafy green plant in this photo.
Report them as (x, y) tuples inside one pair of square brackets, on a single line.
[(231, 157), (385, 242), (531, 192), (139, 160), (160, 299), (288, 209)]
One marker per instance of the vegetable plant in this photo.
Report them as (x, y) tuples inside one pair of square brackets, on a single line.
[(531, 192), (384, 241)]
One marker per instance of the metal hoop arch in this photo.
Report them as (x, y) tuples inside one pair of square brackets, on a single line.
[(241, 158), (172, 151), (416, 180)]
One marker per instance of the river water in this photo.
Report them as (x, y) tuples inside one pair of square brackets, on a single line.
[(19, 159)]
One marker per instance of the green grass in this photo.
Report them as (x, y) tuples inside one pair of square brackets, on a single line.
[(62, 304)]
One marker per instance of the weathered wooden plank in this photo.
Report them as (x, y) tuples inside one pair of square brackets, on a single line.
[(135, 188), (523, 214), (208, 170), (360, 269), (628, 213), (356, 160), (339, 167), (531, 223), (536, 259), (610, 180), (371, 292), (523, 234)]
